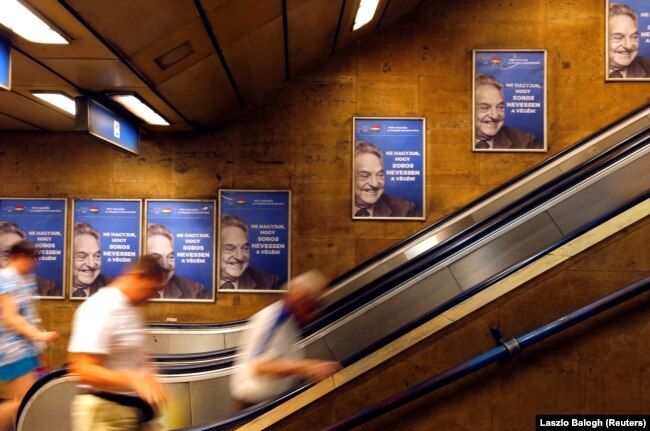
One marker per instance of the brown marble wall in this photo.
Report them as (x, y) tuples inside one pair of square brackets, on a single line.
[(600, 366), (300, 138)]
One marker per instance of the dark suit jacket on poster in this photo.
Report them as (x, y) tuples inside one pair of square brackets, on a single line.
[(511, 138), (47, 287), (184, 288), (639, 68), (392, 206), (101, 281), (258, 279)]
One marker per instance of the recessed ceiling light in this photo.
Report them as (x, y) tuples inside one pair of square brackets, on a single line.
[(365, 13), (21, 20), (58, 99), (139, 109)]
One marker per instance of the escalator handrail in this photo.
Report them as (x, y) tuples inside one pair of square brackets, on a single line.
[(213, 354), (505, 350), (213, 325)]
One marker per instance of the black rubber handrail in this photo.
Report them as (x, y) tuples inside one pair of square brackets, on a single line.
[(460, 240), (505, 350), (172, 325), (213, 354)]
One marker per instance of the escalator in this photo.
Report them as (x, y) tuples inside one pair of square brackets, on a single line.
[(436, 268)]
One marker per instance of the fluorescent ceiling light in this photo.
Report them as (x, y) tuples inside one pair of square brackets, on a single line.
[(139, 109), (22, 21), (60, 100), (365, 13)]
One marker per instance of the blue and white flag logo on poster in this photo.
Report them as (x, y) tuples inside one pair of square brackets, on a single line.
[(390, 186), (42, 222), (181, 233), (522, 76), (254, 241), (105, 241)]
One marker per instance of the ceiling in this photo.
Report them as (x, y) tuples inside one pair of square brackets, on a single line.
[(197, 62)]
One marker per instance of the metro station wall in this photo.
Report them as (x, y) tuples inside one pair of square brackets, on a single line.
[(300, 138)]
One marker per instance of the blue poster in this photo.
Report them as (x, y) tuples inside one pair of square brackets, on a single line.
[(5, 63), (388, 168), (105, 241), (181, 235), (41, 221), (509, 101), (254, 238), (628, 39)]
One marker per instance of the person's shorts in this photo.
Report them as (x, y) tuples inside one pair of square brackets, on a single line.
[(18, 369)]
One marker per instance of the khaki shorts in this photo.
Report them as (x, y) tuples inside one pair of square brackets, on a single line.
[(91, 413)]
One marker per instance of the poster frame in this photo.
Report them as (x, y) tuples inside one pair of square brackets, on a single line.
[(64, 266), (213, 202), (74, 202), (289, 236), (422, 177), (544, 124)]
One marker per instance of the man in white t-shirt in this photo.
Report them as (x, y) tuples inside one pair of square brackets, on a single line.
[(108, 356), (267, 366)]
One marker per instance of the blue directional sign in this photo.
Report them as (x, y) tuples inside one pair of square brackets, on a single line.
[(103, 123), (5, 64)]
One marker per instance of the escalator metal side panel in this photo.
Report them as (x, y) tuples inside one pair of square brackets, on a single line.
[(497, 204), (396, 310), (210, 399), (447, 232), (231, 339), (49, 408), (196, 343), (607, 140), (603, 196), (513, 246), (158, 344), (361, 280), (317, 349)]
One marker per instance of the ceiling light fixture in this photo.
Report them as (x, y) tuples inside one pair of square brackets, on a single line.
[(21, 20), (365, 13), (58, 99), (139, 109)]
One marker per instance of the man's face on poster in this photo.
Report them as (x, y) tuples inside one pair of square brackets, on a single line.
[(623, 41), (490, 112), (87, 260), (7, 240), (235, 253), (162, 248), (369, 179)]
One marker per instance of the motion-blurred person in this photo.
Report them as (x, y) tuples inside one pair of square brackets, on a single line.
[(623, 36), (18, 328), (87, 261), (370, 199), (236, 273), (107, 354), (160, 244), (10, 234), (267, 366), (489, 129)]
